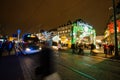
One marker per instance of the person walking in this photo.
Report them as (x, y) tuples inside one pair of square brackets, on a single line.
[(80, 47), (105, 47), (1, 48), (92, 47), (10, 45), (59, 48), (111, 48), (47, 69), (73, 48)]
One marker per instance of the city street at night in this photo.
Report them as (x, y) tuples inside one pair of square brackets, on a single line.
[(59, 39)]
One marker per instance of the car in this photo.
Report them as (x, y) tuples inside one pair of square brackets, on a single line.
[(55, 45)]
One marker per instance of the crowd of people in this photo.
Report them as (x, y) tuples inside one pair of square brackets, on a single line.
[(79, 48), (108, 49), (7, 47)]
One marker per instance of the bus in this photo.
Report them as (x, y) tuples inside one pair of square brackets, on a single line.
[(30, 44)]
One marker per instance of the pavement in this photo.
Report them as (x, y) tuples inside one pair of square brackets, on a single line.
[(99, 53), (10, 68)]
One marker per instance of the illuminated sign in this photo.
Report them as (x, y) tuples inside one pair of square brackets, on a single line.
[(111, 26)]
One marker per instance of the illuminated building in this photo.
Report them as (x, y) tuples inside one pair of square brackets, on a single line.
[(109, 33), (78, 31), (82, 32), (64, 34)]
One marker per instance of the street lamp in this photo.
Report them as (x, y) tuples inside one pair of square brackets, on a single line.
[(18, 31), (115, 29)]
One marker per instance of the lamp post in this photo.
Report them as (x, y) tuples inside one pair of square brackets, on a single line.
[(115, 29), (18, 31), (72, 35)]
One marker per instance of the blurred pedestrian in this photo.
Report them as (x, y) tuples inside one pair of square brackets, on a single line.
[(73, 48), (81, 51), (1, 48), (92, 47), (105, 46), (9, 46), (14, 46), (47, 64), (111, 48), (59, 48), (76, 47)]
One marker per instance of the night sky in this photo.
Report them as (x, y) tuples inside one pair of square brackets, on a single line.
[(33, 15)]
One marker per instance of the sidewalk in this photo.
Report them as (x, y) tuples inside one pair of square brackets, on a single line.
[(10, 68), (100, 53), (5, 53), (97, 53)]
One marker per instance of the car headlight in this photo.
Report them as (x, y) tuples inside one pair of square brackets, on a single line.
[(40, 48), (27, 49)]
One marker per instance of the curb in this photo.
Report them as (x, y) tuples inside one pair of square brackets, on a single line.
[(109, 58)]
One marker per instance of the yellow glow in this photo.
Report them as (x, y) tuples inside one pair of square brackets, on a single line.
[(32, 36)]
